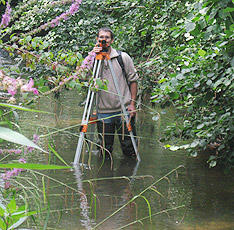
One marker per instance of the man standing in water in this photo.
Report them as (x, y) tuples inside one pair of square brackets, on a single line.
[(108, 103)]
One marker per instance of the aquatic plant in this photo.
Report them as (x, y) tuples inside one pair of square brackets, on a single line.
[(12, 215)]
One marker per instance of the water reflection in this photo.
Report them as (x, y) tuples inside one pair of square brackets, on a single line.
[(86, 221), (115, 192)]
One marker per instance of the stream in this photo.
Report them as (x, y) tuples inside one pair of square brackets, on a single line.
[(180, 192)]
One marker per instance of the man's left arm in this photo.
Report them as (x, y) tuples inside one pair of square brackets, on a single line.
[(132, 106), (132, 78)]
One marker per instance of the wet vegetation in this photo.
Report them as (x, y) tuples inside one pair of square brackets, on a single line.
[(183, 53)]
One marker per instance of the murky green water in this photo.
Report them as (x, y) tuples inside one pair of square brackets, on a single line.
[(191, 197)]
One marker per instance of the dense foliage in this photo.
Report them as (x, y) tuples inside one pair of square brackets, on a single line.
[(195, 73), (182, 50)]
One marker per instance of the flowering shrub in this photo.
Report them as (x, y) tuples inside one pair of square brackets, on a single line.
[(12, 173), (15, 172), (64, 16)]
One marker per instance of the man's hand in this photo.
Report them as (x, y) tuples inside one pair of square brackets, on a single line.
[(97, 49), (133, 91), (132, 110)]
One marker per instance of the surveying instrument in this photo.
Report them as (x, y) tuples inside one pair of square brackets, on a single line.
[(100, 57)]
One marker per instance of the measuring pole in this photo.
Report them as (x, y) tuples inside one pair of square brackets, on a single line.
[(129, 127)]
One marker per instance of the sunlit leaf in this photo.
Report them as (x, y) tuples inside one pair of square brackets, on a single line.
[(17, 138), (193, 154), (212, 164), (12, 205), (228, 9), (200, 126), (174, 148), (155, 118), (190, 26), (202, 52), (194, 144)]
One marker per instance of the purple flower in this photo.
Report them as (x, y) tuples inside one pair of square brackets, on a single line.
[(28, 149), (28, 87), (88, 61), (22, 160), (7, 185), (6, 16), (10, 151), (18, 151), (74, 8), (12, 91), (35, 138)]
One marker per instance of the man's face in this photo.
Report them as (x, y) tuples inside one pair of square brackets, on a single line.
[(103, 35)]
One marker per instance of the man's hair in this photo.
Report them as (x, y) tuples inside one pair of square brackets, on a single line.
[(106, 29)]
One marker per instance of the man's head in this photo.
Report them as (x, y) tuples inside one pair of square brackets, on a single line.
[(105, 34), (107, 30)]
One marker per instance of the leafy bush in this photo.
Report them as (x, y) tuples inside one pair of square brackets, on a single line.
[(199, 79)]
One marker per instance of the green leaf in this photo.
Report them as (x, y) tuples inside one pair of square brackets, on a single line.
[(12, 205), (162, 80), (57, 155), (17, 138), (174, 95), (209, 82), (2, 224), (149, 207), (202, 52), (2, 211), (28, 38), (194, 144), (228, 9), (33, 166), (45, 44), (227, 82)]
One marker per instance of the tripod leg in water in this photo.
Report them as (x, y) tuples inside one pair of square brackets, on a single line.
[(86, 114)]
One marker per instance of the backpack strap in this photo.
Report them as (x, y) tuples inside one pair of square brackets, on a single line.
[(121, 63)]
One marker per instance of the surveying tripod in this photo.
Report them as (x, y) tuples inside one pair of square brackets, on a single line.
[(100, 57)]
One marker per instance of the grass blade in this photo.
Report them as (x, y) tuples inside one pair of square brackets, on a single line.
[(33, 166), (22, 108), (57, 155)]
